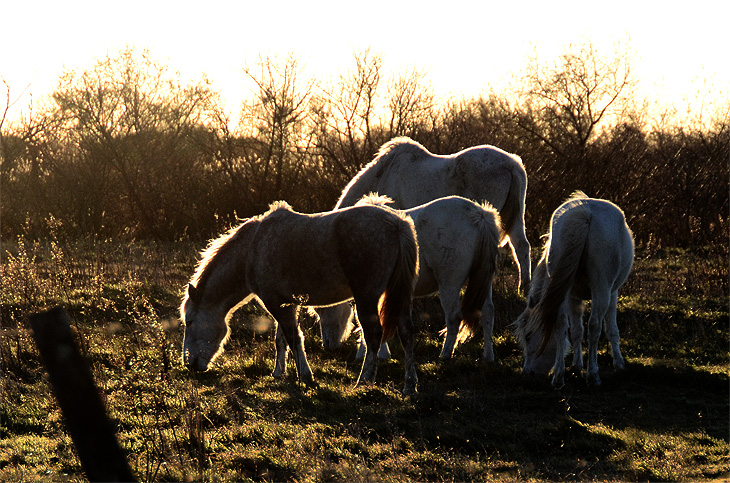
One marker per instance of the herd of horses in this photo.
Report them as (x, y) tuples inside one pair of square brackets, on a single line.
[(411, 224)]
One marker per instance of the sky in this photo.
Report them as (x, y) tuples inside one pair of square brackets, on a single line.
[(465, 47)]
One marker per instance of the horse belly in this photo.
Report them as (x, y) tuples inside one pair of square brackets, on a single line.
[(317, 284), (327, 292)]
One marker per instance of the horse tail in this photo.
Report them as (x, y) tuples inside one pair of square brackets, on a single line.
[(396, 300), (562, 268), (484, 264), (514, 204)]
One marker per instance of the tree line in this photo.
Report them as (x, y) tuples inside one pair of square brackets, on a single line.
[(126, 150)]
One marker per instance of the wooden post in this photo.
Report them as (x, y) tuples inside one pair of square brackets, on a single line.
[(73, 383)]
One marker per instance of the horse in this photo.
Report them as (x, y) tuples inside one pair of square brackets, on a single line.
[(458, 240), (588, 256), (411, 176), (287, 259)]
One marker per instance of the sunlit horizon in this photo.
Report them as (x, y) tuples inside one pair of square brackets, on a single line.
[(465, 50)]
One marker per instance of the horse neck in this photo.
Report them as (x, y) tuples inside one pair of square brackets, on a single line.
[(225, 285), (363, 183), (225, 292)]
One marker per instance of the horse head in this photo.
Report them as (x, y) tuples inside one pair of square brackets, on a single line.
[(205, 330), (530, 338), (528, 330)]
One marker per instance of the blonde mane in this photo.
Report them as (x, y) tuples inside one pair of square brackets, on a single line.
[(219, 246), (375, 199)]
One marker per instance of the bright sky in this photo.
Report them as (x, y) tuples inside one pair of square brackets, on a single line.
[(464, 46)]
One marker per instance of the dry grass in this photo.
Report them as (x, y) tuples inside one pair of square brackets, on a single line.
[(664, 418)]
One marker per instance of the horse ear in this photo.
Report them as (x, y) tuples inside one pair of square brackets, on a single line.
[(193, 293)]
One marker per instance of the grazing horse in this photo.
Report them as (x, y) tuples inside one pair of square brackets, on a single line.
[(588, 255), (287, 259), (458, 241), (410, 175)]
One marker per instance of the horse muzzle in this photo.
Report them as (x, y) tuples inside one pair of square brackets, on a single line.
[(195, 364)]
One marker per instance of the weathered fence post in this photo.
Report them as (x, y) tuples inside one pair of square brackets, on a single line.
[(90, 429)]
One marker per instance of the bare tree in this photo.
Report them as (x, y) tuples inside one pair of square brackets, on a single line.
[(25, 144), (410, 103), (277, 121), (6, 106), (565, 102), (132, 126), (347, 116)]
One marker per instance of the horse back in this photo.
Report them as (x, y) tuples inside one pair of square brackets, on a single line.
[(367, 240), (293, 258), (413, 177)]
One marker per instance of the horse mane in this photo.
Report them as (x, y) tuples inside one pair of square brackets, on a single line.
[(376, 200), (219, 246), (209, 254), (276, 206), (399, 145), (394, 148), (577, 195), (367, 177)]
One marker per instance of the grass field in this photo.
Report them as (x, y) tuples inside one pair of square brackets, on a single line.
[(666, 417)]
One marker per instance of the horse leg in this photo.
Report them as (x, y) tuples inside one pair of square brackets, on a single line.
[(561, 332), (488, 324), (372, 332), (575, 325), (521, 254), (599, 309), (282, 351), (406, 336), (361, 348), (449, 296), (612, 332), (383, 352), (286, 318)]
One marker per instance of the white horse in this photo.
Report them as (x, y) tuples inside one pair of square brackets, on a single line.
[(588, 255), (411, 176), (287, 259), (458, 241)]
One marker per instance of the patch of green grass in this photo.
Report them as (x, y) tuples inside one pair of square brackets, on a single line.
[(665, 417)]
